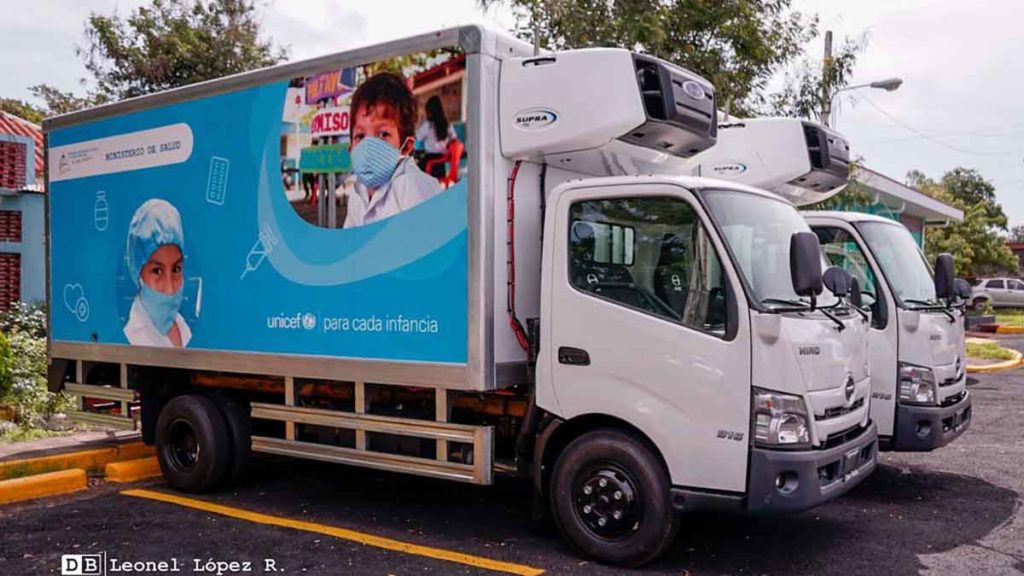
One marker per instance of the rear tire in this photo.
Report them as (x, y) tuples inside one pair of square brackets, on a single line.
[(236, 416), (978, 304), (192, 443), (610, 497)]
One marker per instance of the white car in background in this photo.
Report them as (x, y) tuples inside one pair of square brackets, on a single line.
[(999, 292)]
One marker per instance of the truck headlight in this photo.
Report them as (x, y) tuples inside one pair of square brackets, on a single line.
[(917, 385), (780, 420)]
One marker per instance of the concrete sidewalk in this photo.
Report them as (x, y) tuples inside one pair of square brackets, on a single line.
[(65, 444)]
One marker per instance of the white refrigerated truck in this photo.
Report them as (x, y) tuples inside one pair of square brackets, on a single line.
[(916, 342), (568, 309), (919, 396)]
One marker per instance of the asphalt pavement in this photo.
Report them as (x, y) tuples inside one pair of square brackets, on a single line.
[(954, 511)]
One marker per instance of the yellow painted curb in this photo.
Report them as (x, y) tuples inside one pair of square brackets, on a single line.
[(1009, 329), (40, 485), (1014, 362), (91, 460), (133, 470)]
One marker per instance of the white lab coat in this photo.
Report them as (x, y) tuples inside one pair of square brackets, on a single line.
[(140, 330), (408, 187)]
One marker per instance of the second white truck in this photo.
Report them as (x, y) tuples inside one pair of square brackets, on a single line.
[(919, 396)]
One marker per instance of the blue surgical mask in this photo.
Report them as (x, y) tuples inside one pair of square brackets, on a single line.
[(374, 161), (160, 307)]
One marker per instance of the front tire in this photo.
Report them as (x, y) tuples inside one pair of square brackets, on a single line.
[(192, 443), (610, 497)]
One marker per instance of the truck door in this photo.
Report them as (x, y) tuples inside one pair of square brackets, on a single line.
[(638, 325), (843, 248)]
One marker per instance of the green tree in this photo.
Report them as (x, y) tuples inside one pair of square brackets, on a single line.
[(736, 44), (1016, 234), (166, 44), (976, 242), (802, 95), (22, 109)]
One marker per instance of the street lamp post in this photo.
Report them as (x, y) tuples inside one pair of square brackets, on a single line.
[(828, 95)]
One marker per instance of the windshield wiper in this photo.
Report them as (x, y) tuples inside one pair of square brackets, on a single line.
[(800, 306), (932, 306), (798, 303)]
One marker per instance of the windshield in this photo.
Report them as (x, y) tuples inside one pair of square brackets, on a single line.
[(758, 230), (902, 263)]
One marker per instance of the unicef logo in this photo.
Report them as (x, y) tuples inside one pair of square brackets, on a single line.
[(309, 321)]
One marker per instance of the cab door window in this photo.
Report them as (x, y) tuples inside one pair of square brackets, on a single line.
[(649, 254), (841, 249)]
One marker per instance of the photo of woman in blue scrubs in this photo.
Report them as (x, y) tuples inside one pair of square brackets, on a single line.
[(155, 259)]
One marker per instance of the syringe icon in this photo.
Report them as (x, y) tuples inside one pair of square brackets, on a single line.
[(258, 253)]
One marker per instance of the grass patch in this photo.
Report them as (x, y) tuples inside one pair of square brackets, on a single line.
[(989, 351), (1010, 317)]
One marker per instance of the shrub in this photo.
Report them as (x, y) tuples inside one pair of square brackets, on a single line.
[(24, 317)]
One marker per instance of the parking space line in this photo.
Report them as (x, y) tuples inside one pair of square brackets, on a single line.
[(343, 533)]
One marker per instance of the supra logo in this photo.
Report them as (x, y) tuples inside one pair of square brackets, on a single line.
[(809, 351), (730, 435), (729, 168), (535, 119), (935, 337), (81, 565), (881, 396)]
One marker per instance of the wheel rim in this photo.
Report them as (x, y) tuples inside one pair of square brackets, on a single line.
[(182, 446), (606, 500)]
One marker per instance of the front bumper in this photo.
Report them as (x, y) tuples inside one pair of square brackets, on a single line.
[(783, 481), (925, 428)]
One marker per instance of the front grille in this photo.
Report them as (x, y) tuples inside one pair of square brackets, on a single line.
[(838, 438), (839, 411), (954, 398), (949, 381)]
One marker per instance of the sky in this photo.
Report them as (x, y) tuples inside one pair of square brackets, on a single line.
[(960, 103)]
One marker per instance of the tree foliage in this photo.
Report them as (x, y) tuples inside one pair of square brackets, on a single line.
[(22, 109), (166, 44), (976, 242), (1016, 234), (736, 44), (802, 95)]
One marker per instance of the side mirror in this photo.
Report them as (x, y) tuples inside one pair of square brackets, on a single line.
[(856, 298), (944, 278), (805, 264), (837, 281), (962, 289)]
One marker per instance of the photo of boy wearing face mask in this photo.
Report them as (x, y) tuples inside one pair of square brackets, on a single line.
[(383, 112), (155, 259)]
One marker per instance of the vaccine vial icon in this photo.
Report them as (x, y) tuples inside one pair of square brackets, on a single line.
[(217, 185), (101, 214)]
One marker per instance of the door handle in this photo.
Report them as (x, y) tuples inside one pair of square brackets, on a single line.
[(573, 356)]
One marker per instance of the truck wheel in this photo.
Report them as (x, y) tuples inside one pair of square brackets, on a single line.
[(236, 417), (610, 497), (978, 304), (192, 443)]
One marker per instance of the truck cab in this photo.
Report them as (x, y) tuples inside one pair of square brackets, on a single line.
[(668, 304), (919, 396)]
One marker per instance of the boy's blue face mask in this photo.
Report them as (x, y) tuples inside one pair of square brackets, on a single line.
[(374, 161), (160, 307)]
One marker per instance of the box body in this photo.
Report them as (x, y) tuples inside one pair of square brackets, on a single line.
[(288, 263)]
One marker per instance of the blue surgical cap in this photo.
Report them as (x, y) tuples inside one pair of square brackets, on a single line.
[(156, 223)]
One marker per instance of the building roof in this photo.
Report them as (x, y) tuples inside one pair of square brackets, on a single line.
[(904, 199), (11, 124)]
